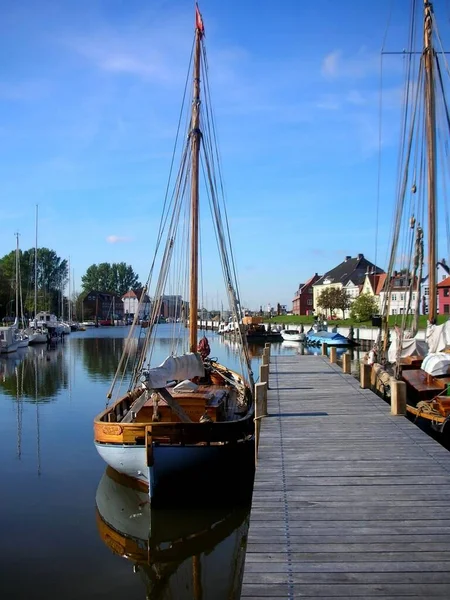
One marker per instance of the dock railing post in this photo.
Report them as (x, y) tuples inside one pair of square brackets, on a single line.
[(264, 374), (332, 354), (324, 349), (260, 412), (398, 397), (267, 349), (365, 372), (346, 363), (265, 360)]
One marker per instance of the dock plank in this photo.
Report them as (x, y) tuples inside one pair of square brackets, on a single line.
[(348, 501)]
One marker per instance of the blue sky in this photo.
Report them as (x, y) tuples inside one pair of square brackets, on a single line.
[(90, 94)]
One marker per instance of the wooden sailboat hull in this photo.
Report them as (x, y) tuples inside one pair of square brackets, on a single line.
[(174, 467), (169, 455)]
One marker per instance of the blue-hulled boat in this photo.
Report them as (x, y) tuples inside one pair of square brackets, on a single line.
[(328, 337)]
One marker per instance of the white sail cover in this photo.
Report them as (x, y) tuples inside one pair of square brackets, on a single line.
[(438, 337), (175, 368), (410, 347), (437, 364)]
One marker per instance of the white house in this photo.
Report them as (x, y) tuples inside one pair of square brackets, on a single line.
[(131, 302), (399, 303)]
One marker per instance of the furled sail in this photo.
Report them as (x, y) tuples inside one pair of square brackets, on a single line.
[(438, 337), (174, 368)]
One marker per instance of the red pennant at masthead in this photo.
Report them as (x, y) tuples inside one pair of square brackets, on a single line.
[(199, 20)]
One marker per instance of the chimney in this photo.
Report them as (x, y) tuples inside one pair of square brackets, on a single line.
[(360, 256), (347, 258)]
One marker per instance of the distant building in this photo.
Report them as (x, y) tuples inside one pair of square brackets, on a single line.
[(349, 275), (303, 302), (103, 305), (373, 285), (131, 302), (174, 307), (403, 294), (442, 272), (444, 296)]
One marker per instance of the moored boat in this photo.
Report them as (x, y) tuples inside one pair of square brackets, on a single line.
[(191, 416), (293, 335), (422, 364)]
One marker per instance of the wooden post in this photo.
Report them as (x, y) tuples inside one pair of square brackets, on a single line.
[(260, 411), (332, 354), (365, 371), (264, 374), (324, 349), (398, 397), (346, 363), (265, 358)]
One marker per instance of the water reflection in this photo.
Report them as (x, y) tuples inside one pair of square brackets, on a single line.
[(179, 554), (35, 374)]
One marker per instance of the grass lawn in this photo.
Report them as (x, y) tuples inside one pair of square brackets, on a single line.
[(309, 320)]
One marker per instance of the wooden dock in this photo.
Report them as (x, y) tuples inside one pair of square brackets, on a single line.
[(349, 501)]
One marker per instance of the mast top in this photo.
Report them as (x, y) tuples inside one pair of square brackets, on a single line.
[(199, 22)]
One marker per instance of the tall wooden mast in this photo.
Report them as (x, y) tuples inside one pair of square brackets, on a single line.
[(431, 157), (195, 135)]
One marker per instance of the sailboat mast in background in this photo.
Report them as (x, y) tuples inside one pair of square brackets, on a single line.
[(195, 149)]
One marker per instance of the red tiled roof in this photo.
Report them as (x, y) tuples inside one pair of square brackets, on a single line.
[(444, 283)]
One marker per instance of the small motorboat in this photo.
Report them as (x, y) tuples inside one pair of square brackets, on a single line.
[(293, 335)]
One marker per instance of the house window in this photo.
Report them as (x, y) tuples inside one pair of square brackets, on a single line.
[(401, 311), (394, 311), (427, 291), (446, 309), (402, 297), (394, 297), (446, 292), (310, 290), (309, 303), (414, 296)]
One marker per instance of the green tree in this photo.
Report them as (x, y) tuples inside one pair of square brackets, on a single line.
[(363, 307), (52, 274), (115, 278), (333, 298)]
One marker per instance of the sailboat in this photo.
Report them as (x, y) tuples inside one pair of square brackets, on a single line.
[(36, 334), (423, 364), (190, 418), (21, 335)]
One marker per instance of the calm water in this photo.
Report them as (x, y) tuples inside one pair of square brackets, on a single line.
[(67, 522)]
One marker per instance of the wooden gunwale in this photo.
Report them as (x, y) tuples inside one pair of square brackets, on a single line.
[(120, 433)]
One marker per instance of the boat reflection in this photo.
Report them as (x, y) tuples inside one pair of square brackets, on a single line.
[(179, 554), (41, 373)]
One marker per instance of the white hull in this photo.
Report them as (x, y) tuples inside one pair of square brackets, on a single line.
[(37, 338), (171, 463), (293, 337), (8, 348)]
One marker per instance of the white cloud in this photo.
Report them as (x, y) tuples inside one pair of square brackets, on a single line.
[(362, 64), (330, 64), (117, 239)]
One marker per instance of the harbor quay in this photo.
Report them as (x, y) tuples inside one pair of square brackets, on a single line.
[(350, 500)]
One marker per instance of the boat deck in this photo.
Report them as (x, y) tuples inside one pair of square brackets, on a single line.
[(349, 501), (422, 386)]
